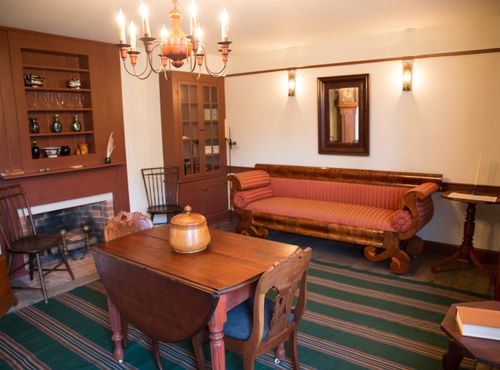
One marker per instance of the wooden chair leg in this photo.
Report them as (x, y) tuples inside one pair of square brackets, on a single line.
[(30, 265), (280, 352), (155, 345), (42, 280), (293, 350), (10, 263), (248, 362), (198, 350), (65, 261)]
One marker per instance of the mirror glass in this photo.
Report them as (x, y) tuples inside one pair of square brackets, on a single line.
[(343, 115)]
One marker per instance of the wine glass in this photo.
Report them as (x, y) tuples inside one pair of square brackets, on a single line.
[(32, 99), (46, 100), (60, 100)]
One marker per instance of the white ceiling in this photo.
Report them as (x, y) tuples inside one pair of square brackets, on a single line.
[(255, 26)]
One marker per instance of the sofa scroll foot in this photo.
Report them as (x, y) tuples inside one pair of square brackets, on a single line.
[(400, 262)]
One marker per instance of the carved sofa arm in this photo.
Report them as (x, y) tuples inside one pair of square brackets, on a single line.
[(417, 204)]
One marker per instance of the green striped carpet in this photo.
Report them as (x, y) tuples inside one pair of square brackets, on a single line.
[(354, 320)]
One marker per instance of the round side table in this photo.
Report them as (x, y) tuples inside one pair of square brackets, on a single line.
[(466, 250)]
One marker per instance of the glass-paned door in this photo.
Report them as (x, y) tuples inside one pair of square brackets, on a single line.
[(190, 128), (211, 119)]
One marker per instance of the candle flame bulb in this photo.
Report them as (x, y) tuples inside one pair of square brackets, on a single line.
[(163, 34), (132, 30), (143, 9), (224, 20), (120, 20), (193, 14)]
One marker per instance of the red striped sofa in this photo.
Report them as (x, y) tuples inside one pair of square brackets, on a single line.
[(378, 209)]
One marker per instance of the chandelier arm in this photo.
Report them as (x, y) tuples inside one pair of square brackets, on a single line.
[(212, 73), (141, 76), (151, 60)]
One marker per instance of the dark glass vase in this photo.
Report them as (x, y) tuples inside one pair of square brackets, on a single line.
[(35, 150), (34, 126), (56, 125), (76, 126)]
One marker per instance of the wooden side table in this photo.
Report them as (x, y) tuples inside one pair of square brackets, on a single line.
[(466, 250), (484, 350)]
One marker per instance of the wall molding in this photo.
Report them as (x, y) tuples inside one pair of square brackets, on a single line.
[(378, 60)]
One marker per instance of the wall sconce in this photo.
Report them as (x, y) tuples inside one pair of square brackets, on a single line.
[(407, 74), (291, 83)]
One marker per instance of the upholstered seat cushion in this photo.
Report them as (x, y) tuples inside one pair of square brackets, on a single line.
[(240, 320), (327, 211)]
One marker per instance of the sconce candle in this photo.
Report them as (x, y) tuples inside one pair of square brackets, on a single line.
[(291, 83), (477, 170), (407, 75)]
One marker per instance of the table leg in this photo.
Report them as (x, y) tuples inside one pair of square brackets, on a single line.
[(453, 357), (466, 250), (116, 328), (216, 333)]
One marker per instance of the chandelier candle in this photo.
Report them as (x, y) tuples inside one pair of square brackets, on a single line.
[(143, 9), (120, 19)]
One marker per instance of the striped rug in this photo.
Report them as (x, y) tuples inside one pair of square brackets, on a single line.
[(354, 320)]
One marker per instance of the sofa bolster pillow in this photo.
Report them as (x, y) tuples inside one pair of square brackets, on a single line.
[(402, 220), (253, 179), (242, 198)]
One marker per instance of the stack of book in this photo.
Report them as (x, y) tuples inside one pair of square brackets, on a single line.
[(478, 322)]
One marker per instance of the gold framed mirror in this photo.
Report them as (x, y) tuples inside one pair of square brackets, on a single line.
[(343, 115)]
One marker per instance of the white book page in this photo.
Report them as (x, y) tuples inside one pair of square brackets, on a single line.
[(482, 198)]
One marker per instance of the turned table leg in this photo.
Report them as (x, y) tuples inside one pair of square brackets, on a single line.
[(116, 327), (216, 333)]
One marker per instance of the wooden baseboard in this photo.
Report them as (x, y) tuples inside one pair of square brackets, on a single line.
[(487, 257)]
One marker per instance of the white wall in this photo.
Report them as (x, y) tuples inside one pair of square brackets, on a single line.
[(142, 119), (451, 117)]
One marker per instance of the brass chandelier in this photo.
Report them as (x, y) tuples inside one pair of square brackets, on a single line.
[(174, 46)]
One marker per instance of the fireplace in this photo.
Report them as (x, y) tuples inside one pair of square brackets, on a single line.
[(73, 214)]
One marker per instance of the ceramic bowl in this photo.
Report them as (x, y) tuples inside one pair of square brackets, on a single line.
[(51, 151)]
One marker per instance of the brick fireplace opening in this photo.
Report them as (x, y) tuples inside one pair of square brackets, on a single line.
[(94, 215)]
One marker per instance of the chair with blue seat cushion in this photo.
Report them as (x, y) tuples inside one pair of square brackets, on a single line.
[(260, 324)]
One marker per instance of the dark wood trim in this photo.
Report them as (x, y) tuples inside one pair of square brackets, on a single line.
[(486, 256), (61, 37), (378, 60), (48, 171), (350, 175), (470, 188)]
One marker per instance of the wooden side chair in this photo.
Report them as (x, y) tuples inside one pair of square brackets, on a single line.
[(260, 324), (124, 283), (125, 223), (162, 191), (20, 237)]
